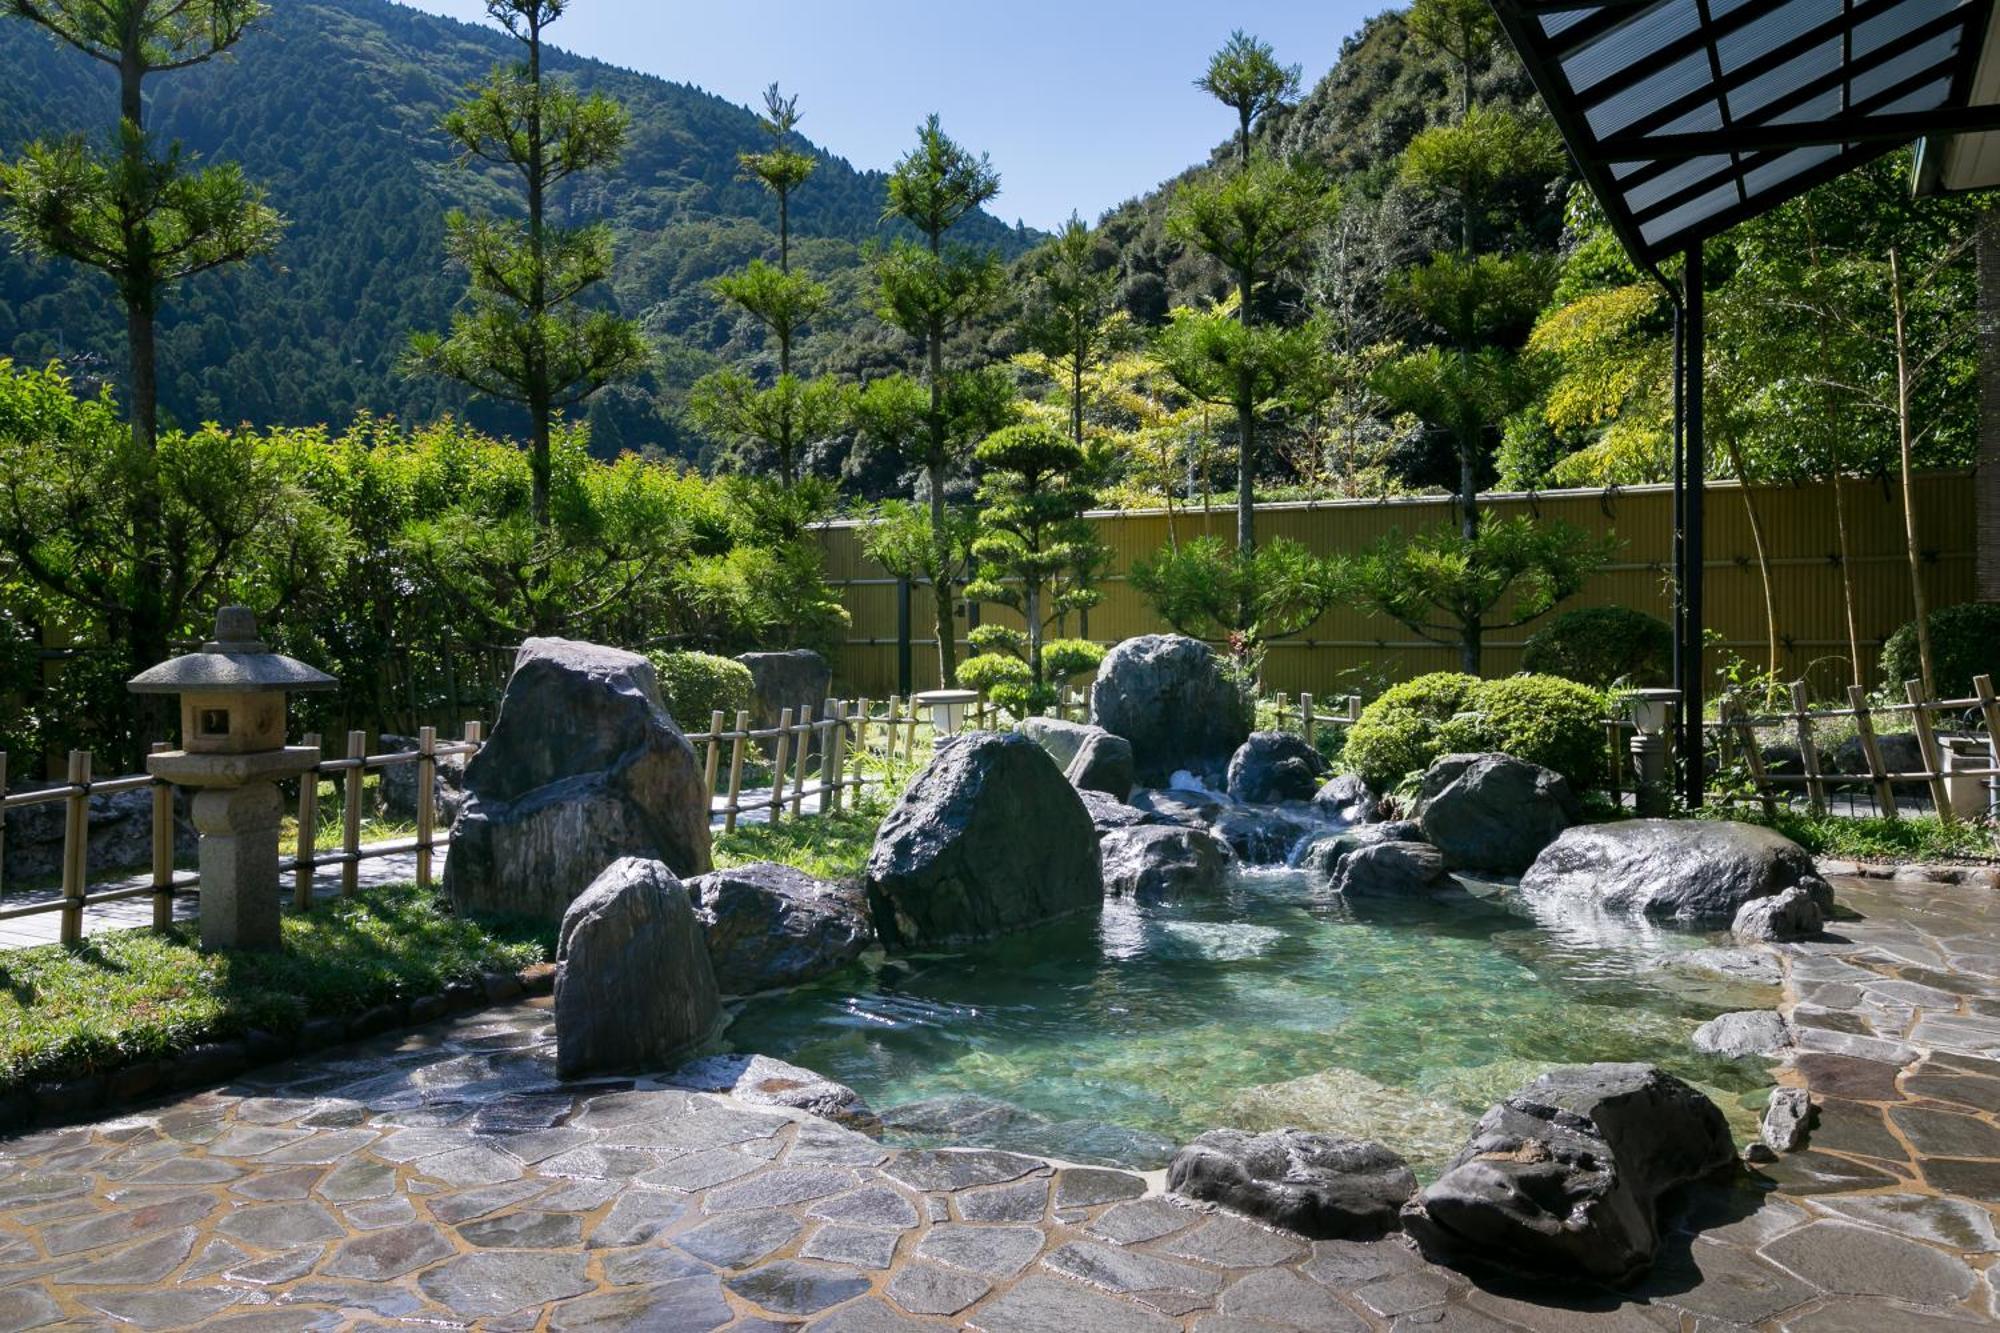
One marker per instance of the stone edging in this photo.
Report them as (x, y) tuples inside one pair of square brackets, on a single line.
[(47, 1105), (1981, 876)]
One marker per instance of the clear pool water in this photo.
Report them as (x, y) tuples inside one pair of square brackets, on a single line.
[(1276, 1004)]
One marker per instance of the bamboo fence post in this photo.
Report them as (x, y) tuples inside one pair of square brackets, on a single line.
[(889, 750), (1613, 733), (910, 735), (861, 707), (1864, 731), (1927, 742), (1989, 708), (350, 815), (804, 753), (832, 785), (1306, 716), (426, 802), (1753, 757), (3, 821), (76, 846), (1808, 750), (1353, 708), (304, 859), (737, 738), (712, 766), (780, 764)]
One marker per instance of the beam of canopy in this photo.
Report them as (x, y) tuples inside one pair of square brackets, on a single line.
[(1689, 116)]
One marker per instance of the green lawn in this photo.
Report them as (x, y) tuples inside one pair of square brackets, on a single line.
[(827, 847), (1913, 838)]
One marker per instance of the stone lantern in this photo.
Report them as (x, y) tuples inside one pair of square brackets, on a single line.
[(233, 755)]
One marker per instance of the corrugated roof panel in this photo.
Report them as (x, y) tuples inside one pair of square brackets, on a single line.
[(1938, 53), (1776, 172), (1684, 76), (1631, 40), (1756, 94), (1687, 215), (1896, 19), (1764, 35), (1675, 178)]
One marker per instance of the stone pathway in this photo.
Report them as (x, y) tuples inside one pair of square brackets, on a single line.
[(444, 1178)]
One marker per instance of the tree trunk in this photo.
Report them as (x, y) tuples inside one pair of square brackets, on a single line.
[(539, 392), (1763, 555), (1906, 444), (1032, 600), (146, 628), (1470, 644), (1847, 580)]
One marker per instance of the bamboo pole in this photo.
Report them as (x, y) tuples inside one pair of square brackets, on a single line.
[(1864, 731), (76, 846), (1306, 718), (1753, 756), (1927, 741), (350, 823), (1989, 708), (1808, 749), (3, 823), (426, 802), (307, 857), (889, 750), (832, 778), (780, 762), (737, 739), (712, 766), (804, 748), (860, 744), (163, 850)]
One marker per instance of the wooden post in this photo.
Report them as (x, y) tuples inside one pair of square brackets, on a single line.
[(426, 801), (1746, 740), (350, 823), (1353, 708), (738, 737), (713, 765), (76, 846), (163, 849), (1927, 742), (1808, 750), (1989, 708), (861, 707), (889, 750), (1306, 718), (832, 778), (780, 764), (306, 857), (804, 749), (1864, 731)]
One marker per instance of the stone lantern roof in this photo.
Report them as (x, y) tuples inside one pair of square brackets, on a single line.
[(235, 661)]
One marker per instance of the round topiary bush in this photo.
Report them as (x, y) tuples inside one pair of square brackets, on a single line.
[(694, 686), (1965, 642), (1546, 720), (1603, 646), (1401, 732)]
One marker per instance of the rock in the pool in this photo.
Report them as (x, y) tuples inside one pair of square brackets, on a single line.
[(1565, 1177), (990, 838), (1158, 863), (583, 767), (1317, 1185), (1390, 870), (1694, 871), (1791, 915), (1178, 805), (770, 926), (1171, 698), (1743, 1034), (1108, 814), (1103, 763), (1261, 835), (1493, 812), (1059, 736), (634, 988), (762, 1081), (1274, 766), (1347, 798), (1322, 856)]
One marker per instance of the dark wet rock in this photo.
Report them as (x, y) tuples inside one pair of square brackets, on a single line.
[(1103, 763), (583, 767), (990, 838), (770, 926), (797, 679), (1749, 1032), (1322, 856), (1390, 870), (1170, 696), (635, 988), (396, 788), (1346, 797), (1107, 813), (1565, 1177), (1263, 836), (1681, 870), (1060, 737), (1159, 863), (1318, 1185), (1787, 1120), (1275, 766), (1179, 805), (1791, 915), (1493, 812), (762, 1081)]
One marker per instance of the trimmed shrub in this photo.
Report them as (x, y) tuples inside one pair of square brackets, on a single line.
[(1603, 646), (1965, 642), (1402, 731), (694, 685), (1544, 719)]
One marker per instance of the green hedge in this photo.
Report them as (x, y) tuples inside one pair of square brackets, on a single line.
[(1603, 646), (1965, 642), (694, 685), (1544, 719)]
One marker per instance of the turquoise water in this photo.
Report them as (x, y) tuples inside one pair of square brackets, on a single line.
[(1276, 1004)]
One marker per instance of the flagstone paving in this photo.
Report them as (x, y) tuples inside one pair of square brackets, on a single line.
[(445, 1178)]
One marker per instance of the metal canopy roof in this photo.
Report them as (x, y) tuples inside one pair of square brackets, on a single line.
[(1688, 116)]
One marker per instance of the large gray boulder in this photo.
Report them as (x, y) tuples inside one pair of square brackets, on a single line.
[(796, 679), (1317, 1185), (1274, 766), (770, 926), (119, 832), (1692, 871), (634, 988), (1263, 835), (1390, 870), (1060, 737), (1103, 763), (1170, 696), (990, 838), (583, 767), (763, 1081), (1322, 856), (1178, 805), (1347, 798), (1157, 863), (1744, 1033), (1565, 1177), (1493, 812)]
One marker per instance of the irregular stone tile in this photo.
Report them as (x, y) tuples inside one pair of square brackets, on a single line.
[(1856, 1316), (1547, 1311), (948, 1169), (353, 1181), (1850, 1127), (649, 1265), (1721, 1282), (1022, 1201), (336, 1115), (702, 1170), (1051, 1305), (46, 1187), (581, 1196), (1861, 1261), (517, 1113), (23, 1308), (738, 1240), (390, 1302), (694, 1304), (1086, 1187), (127, 1224), (798, 1287), (924, 1288), (1972, 1180), (780, 1188), (374, 1214), (1123, 1270), (254, 1140), (990, 1251), (1287, 1300), (1142, 1220), (638, 1216), (868, 1316), (164, 1309), (538, 1145), (527, 1230), (1405, 1293), (464, 1205), (1946, 1134), (274, 1226), (1952, 1223), (214, 1257), (473, 1285), (279, 1268), (389, 1254), (413, 1145), (273, 1110), (1231, 1242), (820, 1143), (597, 1163), (1979, 1094), (463, 1167), (1812, 1172), (270, 1186), (188, 1171), (863, 1247), (1978, 1034), (1344, 1264), (870, 1206), (1844, 1076), (148, 1261)]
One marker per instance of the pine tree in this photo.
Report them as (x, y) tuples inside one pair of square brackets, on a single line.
[(1071, 298)]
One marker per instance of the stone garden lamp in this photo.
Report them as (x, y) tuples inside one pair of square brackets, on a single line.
[(233, 755), (1651, 712), (947, 709)]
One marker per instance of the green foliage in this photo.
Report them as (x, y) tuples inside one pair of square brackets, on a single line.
[(1545, 720), (768, 427), (1202, 588), (129, 996), (1255, 221), (1066, 315), (1220, 360), (1911, 838), (1965, 642), (1245, 75), (694, 686), (1603, 646), (833, 847)]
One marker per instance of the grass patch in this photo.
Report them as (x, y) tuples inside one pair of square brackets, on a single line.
[(129, 996), (1918, 838), (824, 846)]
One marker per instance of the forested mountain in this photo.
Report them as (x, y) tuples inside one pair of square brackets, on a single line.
[(333, 106)]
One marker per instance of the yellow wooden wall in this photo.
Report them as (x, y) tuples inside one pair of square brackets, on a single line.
[(1348, 650)]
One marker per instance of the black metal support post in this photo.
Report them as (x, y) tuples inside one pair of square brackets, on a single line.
[(1678, 570), (1693, 625), (905, 669)]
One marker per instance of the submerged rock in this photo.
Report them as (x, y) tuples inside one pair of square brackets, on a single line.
[(990, 838), (1748, 1032), (1274, 766), (962, 1116), (1159, 863), (770, 926), (1108, 813), (1104, 764), (1179, 805), (1317, 1185), (1350, 1104), (1170, 696), (1791, 915), (1564, 1178), (762, 1081), (1694, 871), (1391, 869), (1493, 812)]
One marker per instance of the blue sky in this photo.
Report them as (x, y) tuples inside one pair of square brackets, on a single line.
[(1081, 103)]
